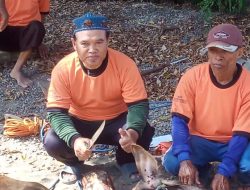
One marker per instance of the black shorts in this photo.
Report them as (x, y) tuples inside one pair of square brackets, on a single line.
[(22, 38)]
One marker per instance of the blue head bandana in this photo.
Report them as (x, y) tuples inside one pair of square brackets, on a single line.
[(89, 21)]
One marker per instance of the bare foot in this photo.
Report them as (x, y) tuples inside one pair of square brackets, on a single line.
[(21, 80)]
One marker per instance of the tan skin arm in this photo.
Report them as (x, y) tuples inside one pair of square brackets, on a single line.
[(4, 17)]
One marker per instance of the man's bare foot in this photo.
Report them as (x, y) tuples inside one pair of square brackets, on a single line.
[(21, 80)]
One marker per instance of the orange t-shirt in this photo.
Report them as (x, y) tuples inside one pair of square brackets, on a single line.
[(22, 12), (96, 98), (214, 112)]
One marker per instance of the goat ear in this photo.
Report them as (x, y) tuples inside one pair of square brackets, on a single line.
[(147, 166)]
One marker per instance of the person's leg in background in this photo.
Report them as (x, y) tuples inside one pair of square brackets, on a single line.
[(16, 71), (24, 40)]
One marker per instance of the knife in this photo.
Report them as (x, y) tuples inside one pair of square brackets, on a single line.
[(97, 134)]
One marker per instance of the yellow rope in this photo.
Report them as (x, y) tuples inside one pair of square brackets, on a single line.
[(18, 127)]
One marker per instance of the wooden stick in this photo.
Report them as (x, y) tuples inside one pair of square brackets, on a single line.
[(156, 69)]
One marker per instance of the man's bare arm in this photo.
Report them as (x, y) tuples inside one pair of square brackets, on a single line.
[(4, 17)]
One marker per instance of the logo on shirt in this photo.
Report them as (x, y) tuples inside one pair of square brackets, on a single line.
[(179, 99), (221, 35)]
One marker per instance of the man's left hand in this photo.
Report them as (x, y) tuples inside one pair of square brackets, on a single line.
[(220, 182), (43, 51), (128, 137)]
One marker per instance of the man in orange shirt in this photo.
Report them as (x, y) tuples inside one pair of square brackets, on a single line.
[(211, 116), (23, 33), (93, 84)]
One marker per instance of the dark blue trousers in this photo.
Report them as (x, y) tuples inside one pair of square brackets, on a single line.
[(205, 151)]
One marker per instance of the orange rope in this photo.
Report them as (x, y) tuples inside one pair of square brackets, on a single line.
[(17, 127)]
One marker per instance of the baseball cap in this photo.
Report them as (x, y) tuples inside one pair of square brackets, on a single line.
[(225, 36), (90, 21)]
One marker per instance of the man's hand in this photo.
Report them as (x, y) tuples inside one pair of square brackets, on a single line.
[(188, 174), (4, 17), (128, 137), (81, 148), (220, 182), (43, 51)]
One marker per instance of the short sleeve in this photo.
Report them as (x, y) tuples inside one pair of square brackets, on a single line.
[(133, 88), (59, 90), (44, 6), (242, 123), (184, 96)]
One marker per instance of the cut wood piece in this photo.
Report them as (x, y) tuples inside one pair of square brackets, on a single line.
[(161, 67)]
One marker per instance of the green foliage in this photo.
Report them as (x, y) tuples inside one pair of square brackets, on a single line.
[(228, 6), (206, 6)]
